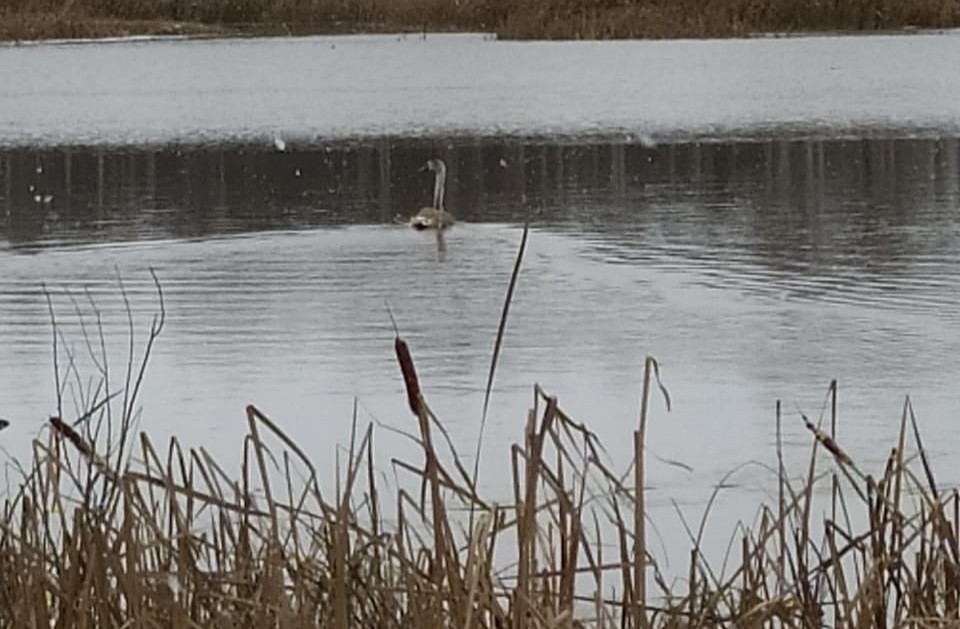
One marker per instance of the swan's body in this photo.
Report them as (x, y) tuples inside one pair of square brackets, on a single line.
[(435, 216), (432, 218)]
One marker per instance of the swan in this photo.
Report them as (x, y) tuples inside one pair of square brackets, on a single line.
[(434, 217)]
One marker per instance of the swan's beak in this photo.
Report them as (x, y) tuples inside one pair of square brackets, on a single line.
[(423, 169)]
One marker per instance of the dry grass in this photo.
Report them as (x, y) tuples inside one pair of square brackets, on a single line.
[(45, 19), (606, 19), (107, 529), (37, 26), (543, 19)]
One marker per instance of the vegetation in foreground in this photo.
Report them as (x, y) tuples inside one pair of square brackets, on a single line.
[(106, 529), (542, 19)]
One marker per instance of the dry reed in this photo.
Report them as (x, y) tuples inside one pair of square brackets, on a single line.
[(119, 532), (544, 19)]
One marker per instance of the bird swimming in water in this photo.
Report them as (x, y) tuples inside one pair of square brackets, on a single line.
[(435, 216)]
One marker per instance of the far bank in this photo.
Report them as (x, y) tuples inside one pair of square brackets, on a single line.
[(24, 20)]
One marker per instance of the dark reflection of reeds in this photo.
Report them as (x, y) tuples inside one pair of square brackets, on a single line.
[(786, 201)]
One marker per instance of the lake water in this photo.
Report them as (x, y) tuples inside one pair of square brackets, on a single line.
[(760, 215)]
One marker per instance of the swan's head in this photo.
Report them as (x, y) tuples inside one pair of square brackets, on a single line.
[(435, 165)]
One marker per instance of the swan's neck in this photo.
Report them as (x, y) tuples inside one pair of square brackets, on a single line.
[(438, 185)]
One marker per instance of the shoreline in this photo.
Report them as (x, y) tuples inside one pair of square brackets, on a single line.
[(20, 29), (491, 36)]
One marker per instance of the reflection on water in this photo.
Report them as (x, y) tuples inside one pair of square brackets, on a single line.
[(846, 215), (754, 270)]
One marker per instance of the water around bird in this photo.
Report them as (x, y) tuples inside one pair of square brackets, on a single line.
[(756, 255)]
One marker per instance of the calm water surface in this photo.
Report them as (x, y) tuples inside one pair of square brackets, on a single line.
[(322, 87), (754, 266)]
